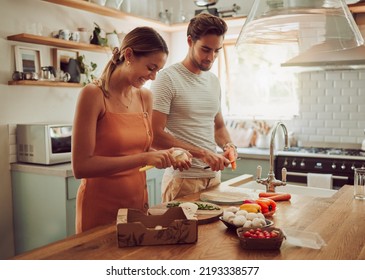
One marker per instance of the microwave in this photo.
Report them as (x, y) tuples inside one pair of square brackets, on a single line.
[(42, 143)]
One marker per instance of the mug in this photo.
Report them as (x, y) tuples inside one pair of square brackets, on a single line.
[(359, 183), (64, 34), (75, 36)]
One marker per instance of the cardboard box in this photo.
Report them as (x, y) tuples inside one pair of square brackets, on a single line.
[(134, 228)]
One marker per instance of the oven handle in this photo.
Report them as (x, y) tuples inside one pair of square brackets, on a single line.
[(299, 174)]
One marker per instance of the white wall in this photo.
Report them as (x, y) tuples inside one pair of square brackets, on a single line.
[(332, 107)]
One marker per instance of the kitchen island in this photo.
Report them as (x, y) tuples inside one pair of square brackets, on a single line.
[(339, 220)]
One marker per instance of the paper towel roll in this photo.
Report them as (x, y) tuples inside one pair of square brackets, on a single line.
[(323, 181)]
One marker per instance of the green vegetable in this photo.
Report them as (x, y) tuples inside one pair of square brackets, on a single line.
[(201, 206)]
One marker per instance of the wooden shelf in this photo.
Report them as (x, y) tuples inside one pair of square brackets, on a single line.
[(357, 8), (110, 12), (43, 83), (55, 42)]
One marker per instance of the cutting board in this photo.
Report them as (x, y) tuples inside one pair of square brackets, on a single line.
[(203, 216), (225, 197)]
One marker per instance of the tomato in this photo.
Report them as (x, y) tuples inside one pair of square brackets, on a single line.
[(260, 233), (247, 234)]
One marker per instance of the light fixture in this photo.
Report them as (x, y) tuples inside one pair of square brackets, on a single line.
[(308, 29)]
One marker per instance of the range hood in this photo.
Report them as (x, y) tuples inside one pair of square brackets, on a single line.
[(317, 58), (318, 33)]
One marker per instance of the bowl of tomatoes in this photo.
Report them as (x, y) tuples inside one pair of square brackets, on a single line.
[(269, 238)]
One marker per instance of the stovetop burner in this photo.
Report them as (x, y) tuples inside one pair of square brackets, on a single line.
[(323, 152), (327, 151)]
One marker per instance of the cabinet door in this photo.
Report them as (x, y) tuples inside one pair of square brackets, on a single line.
[(154, 179), (39, 210), (247, 166), (72, 185)]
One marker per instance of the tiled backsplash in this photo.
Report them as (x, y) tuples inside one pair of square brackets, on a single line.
[(332, 107)]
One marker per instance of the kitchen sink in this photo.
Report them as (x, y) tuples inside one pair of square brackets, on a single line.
[(292, 189)]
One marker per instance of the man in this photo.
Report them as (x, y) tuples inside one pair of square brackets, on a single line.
[(187, 111)]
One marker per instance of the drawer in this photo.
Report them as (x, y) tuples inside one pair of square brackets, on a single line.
[(72, 187)]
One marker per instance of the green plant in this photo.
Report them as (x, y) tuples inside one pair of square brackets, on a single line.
[(97, 39), (87, 69)]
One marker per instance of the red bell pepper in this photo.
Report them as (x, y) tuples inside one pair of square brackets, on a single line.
[(267, 204)]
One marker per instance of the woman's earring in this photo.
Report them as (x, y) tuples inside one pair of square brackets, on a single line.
[(128, 63)]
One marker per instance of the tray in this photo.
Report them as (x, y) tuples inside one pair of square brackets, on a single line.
[(203, 216)]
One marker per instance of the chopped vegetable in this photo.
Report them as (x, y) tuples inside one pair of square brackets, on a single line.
[(201, 206)]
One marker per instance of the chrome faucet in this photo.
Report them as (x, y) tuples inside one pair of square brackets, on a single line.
[(271, 182)]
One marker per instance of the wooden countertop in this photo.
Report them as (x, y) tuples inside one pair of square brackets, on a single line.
[(339, 220)]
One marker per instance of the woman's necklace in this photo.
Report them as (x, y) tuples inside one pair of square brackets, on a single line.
[(130, 101)]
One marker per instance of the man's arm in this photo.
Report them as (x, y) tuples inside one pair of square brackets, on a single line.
[(164, 140)]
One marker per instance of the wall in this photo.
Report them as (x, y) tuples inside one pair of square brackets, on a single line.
[(332, 107)]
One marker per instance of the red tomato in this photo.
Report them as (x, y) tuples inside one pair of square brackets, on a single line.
[(247, 234)]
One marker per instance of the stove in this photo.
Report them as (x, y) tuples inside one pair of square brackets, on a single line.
[(299, 161)]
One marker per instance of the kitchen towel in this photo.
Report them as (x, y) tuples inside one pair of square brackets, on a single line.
[(323, 181)]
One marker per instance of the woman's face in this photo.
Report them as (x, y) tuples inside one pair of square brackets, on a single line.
[(145, 68)]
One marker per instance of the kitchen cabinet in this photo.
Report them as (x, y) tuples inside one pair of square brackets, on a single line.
[(246, 166), (44, 202), (154, 179), (44, 209)]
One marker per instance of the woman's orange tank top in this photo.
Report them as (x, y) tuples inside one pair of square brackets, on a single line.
[(98, 199)]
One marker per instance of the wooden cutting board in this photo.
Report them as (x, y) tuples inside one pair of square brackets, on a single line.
[(203, 216), (225, 197)]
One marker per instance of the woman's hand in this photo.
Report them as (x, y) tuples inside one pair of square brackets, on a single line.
[(182, 158)]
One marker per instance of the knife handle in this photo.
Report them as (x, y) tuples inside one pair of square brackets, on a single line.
[(145, 168)]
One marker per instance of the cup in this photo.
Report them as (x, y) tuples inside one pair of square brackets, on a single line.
[(75, 36), (359, 183), (64, 34)]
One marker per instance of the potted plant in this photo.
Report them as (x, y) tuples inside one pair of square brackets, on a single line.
[(86, 69), (97, 38)]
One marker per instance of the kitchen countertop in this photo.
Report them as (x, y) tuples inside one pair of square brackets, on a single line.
[(336, 219), (61, 170)]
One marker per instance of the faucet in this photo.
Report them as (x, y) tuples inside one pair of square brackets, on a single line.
[(271, 182)]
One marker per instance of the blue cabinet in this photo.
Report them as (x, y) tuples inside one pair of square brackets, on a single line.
[(154, 179), (44, 209), (45, 205), (247, 166)]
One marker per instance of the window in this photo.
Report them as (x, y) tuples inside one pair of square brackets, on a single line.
[(256, 87)]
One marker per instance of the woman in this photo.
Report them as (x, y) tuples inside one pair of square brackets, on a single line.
[(112, 132)]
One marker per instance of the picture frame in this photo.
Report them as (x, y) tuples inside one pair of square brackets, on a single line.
[(66, 61), (61, 57), (27, 59)]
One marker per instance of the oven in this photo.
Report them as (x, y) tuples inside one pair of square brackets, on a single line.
[(300, 161)]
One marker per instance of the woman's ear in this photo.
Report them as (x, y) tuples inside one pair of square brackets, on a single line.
[(128, 54)]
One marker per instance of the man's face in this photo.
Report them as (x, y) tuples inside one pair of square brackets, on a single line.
[(204, 51)]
